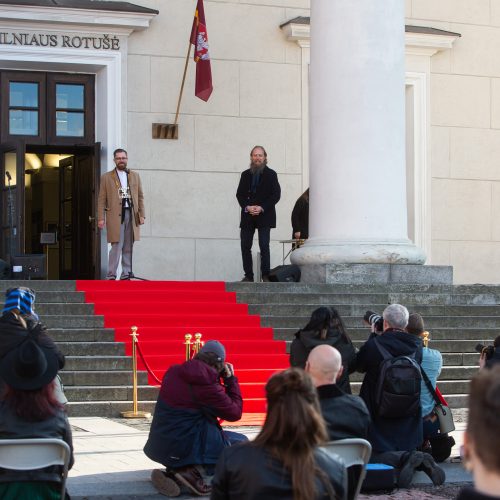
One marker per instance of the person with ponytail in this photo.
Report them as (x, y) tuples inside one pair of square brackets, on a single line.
[(325, 328), (284, 460)]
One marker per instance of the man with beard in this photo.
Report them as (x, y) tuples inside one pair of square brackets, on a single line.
[(258, 192), (122, 200)]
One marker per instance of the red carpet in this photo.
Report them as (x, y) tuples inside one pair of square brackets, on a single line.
[(164, 311)]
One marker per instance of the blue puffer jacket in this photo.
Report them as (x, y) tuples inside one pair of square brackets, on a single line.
[(184, 430)]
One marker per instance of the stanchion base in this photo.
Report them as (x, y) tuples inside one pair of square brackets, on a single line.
[(133, 414)]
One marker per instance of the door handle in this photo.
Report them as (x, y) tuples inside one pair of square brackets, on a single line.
[(91, 219)]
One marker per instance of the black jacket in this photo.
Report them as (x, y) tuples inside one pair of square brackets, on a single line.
[(346, 416), (267, 194), (12, 427), (248, 472), (300, 218), (305, 341), (389, 434)]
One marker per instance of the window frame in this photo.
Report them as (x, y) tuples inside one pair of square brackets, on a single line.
[(6, 78), (88, 82)]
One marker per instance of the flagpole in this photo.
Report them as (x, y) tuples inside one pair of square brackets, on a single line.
[(182, 84)]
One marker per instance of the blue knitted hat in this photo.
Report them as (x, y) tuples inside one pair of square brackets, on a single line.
[(21, 298)]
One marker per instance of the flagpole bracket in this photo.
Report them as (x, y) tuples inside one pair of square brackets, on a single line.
[(165, 131)]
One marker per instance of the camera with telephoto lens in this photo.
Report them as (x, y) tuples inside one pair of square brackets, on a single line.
[(375, 320), (488, 350)]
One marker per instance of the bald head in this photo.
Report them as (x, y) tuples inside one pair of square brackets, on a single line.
[(324, 364)]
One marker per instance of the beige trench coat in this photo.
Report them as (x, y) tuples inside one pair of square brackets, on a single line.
[(109, 204)]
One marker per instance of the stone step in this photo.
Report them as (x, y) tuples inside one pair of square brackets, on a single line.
[(82, 335), (98, 362), (76, 321), (92, 348), (55, 297), (479, 335), (61, 309), (101, 378), (364, 297), (40, 285), (447, 387), (109, 393), (356, 310), (431, 322), (106, 408)]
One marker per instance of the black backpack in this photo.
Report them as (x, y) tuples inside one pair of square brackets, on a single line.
[(398, 385)]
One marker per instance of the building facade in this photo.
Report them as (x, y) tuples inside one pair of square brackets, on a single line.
[(79, 78)]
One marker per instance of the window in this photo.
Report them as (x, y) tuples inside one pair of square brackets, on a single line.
[(70, 110), (23, 108), (47, 108)]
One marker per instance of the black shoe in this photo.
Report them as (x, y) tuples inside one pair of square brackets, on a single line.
[(128, 276), (406, 474), (432, 469), (110, 278), (265, 278), (246, 279)]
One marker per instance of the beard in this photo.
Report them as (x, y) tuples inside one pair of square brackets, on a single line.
[(256, 167)]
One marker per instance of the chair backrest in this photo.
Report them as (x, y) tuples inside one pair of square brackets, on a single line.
[(36, 453), (353, 451)]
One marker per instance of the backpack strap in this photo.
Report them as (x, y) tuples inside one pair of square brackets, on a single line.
[(429, 386)]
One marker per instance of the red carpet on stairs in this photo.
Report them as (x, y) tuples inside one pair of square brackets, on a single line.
[(164, 311)]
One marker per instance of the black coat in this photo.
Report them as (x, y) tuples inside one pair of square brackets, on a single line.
[(494, 360), (300, 218), (346, 416), (306, 341), (389, 434), (248, 472), (267, 194)]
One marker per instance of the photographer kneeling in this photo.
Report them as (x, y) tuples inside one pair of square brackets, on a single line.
[(185, 432), (490, 355)]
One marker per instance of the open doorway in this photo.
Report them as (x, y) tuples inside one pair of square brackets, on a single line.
[(54, 207)]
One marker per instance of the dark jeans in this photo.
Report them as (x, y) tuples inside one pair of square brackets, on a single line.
[(246, 235)]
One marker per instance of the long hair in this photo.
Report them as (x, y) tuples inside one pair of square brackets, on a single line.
[(33, 406), (293, 428), (324, 318)]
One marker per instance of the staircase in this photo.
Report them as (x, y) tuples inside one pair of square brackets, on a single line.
[(457, 317), (97, 377)]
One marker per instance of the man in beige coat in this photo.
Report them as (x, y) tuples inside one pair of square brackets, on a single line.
[(121, 208)]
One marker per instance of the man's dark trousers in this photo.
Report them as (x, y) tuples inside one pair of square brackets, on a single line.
[(246, 235)]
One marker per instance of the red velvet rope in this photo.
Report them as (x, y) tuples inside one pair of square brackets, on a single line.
[(157, 380)]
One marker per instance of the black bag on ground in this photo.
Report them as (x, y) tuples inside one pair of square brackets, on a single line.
[(398, 386), (379, 477), (441, 445), (287, 274)]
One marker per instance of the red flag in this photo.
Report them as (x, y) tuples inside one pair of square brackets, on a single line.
[(199, 39)]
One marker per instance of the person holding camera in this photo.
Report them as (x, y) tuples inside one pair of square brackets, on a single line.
[(185, 432), (325, 328), (490, 355)]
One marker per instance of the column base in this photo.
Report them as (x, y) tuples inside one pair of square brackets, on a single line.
[(376, 274)]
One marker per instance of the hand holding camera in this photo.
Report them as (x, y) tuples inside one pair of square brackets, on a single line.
[(228, 370)]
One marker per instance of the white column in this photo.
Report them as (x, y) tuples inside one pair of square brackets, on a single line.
[(357, 135)]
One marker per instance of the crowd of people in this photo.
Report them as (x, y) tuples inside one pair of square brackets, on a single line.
[(308, 405)]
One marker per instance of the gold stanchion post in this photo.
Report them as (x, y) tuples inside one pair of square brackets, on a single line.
[(198, 343), (188, 344), (134, 413)]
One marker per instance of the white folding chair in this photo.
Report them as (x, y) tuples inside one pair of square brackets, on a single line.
[(29, 454), (354, 452)]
